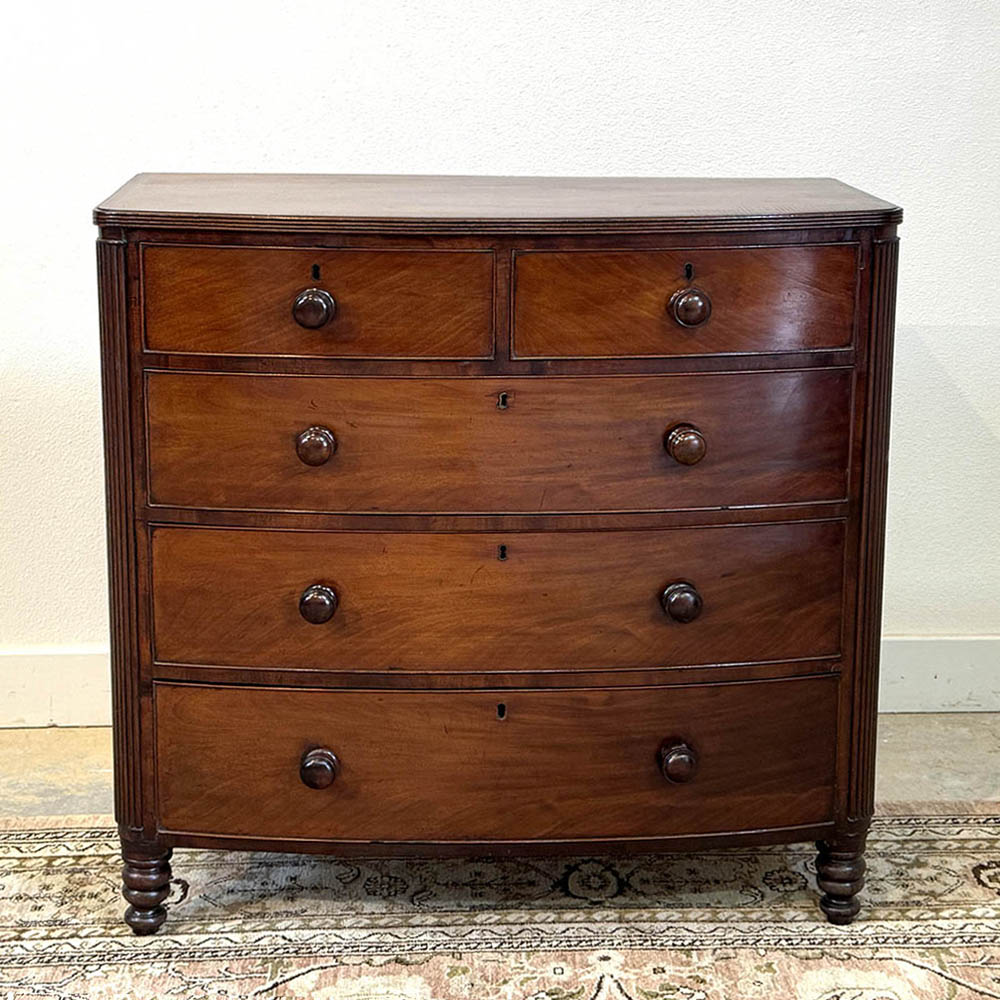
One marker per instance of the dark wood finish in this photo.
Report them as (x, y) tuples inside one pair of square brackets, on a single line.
[(685, 444), (443, 445), (391, 304), (678, 761), (460, 680), (609, 303), (840, 875), (314, 308), (861, 801), (690, 306), (442, 602), (315, 445), (119, 458), (560, 764), (519, 205), (682, 602), (318, 604), (541, 492), (319, 768), (145, 886)]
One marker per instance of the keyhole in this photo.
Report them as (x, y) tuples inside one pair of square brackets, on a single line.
[(501, 711), (502, 552), (315, 272), (688, 271), (502, 402)]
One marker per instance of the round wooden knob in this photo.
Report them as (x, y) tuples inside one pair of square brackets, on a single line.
[(314, 308), (678, 761), (685, 444), (318, 604), (315, 445), (682, 602), (319, 768), (690, 306)]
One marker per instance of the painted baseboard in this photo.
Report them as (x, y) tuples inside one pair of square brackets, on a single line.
[(55, 686), (69, 686), (958, 673)]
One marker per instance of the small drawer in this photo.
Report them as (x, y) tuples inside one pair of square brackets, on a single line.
[(497, 445), (503, 601), (663, 303), (417, 766), (318, 302)]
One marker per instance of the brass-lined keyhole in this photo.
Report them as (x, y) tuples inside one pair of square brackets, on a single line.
[(503, 401)]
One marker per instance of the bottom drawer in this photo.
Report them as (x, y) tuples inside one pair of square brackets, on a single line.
[(481, 765)]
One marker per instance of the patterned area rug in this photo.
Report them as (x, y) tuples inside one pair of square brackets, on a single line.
[(719, 925)]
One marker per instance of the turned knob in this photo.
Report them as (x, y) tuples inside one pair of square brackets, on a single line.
[(690, 306), (682, 602), (315, 445), (678, 761), (319, 768), (318, 604), (314, 308), (685, 444)]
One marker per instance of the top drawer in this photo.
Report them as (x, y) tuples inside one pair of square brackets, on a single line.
[(660, 303), (319, 303)]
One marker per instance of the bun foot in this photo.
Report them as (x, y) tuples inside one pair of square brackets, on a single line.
[(840, 875), (145, 885)]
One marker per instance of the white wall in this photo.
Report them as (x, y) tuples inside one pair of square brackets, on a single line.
[(899, 98)]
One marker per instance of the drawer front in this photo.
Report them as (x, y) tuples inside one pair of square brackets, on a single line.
[(460, 602), (422, 766), (496, 444), (588, 304), (380, 303)]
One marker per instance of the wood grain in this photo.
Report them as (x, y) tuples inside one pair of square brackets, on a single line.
[(574, 764), (583, 304), (452, 204), (119, 466), (410, 326), (389, 304), (861, 792), (444, 445), (426, 601)]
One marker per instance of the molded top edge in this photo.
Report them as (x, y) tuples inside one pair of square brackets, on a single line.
[(383, 202)]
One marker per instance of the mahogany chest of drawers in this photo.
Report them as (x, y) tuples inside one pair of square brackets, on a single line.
[(494, 515)]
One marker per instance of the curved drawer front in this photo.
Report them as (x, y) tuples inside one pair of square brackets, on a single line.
[(430, 766), (354, 303), (658, 303), (496, 445), (382, 601)]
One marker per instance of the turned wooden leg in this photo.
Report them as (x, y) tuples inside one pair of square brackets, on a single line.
[(146, 884), (840, 874)]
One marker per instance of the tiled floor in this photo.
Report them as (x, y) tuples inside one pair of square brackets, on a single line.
[(947, 757)]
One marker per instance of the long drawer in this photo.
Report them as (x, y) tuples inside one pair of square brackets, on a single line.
[(503, 445), (318, 302), (504, 601), (614, 303), (516, 765)]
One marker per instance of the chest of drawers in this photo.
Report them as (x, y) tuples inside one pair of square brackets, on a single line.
[(491, 515)]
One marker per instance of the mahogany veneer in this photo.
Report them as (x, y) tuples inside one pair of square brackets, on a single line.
[(528, 445), (570, 491)]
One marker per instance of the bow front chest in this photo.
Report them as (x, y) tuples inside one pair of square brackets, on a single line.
[(493, 515)]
